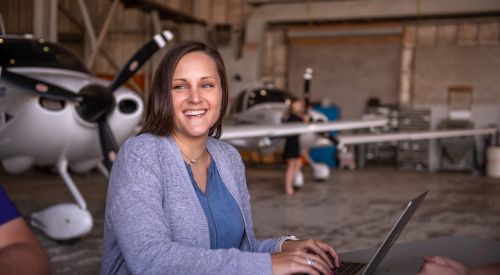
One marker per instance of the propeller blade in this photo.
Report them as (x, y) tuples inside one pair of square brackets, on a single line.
[(140, 57), (108, 144), (39, 87)]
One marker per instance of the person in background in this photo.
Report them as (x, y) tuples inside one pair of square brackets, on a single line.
[(438, 265), (177, 199), (292, 151), (20, 250)]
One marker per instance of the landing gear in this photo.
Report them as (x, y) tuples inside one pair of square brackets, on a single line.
[(65, 221), (321, 172)]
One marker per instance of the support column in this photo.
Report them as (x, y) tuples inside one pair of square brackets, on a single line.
[(102, 33), (45, 19), (407, 68)]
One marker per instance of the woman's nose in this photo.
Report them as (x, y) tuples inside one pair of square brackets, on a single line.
[(194, 95)]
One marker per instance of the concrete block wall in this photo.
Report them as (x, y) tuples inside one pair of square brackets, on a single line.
[(347, 74), (457, 53)]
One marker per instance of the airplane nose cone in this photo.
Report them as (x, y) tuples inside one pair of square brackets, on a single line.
[(97, 102)]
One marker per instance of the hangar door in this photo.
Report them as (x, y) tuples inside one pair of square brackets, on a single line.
[(348, 70)]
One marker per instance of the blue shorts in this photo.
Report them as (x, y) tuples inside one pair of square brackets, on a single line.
[(8, 210)]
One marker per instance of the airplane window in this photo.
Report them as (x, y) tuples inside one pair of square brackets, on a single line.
[(51, 104), (33, 53)]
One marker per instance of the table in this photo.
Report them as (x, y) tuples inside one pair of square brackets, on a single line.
[(406, 258)]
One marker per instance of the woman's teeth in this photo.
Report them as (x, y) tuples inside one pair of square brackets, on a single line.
[(195, 112)]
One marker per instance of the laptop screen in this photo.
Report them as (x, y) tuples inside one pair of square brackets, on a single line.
[(398, 227)]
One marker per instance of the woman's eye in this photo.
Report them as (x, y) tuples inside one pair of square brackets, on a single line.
[(207, 85), (178, 87)]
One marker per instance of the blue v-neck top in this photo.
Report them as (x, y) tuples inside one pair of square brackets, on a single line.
[(225, 222)]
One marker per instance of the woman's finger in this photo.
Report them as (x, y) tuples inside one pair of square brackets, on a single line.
[(317, 263), (299, 264), (316, 247), (331, 253)]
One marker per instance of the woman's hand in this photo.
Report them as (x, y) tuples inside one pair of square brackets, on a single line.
[(324, 250), (442, 266), (305, 256), (298, 261)]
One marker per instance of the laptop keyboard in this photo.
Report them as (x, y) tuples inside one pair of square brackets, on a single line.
[(348, 268)]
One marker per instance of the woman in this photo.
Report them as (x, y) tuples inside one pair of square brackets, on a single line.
[(177, 198), (292, 153)]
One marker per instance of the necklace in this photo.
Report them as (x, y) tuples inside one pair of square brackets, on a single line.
[(193, 160)]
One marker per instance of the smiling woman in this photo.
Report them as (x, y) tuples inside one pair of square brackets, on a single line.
[(196, 96), (177, 197), (159, 113)]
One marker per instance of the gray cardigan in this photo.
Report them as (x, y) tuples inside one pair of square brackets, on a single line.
[(154, 223)]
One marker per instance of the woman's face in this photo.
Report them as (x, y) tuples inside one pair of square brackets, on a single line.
[(196, 95)]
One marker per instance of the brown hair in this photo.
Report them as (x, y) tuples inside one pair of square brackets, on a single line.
[(159, 109)]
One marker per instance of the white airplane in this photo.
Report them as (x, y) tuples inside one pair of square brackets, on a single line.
[(54, 113), (262, 106), (257, 123)]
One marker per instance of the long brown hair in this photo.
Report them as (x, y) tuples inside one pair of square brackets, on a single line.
[(159, 109)]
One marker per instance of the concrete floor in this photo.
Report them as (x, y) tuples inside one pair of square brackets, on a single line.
[(353, 210)]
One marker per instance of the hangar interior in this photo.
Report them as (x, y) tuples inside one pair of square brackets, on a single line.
[(423, 64)]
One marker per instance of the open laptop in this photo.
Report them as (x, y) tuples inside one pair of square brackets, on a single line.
[(353, 268)]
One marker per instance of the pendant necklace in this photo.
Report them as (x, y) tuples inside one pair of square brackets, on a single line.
[(193, 160)]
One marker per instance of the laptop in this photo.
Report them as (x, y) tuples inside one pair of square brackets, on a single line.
[(352, 268)]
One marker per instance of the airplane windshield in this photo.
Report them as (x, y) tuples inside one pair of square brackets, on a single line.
[(259, 96), (19, 52)]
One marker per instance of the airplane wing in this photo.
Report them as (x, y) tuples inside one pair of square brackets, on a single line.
[(438, 134), (256, 130)]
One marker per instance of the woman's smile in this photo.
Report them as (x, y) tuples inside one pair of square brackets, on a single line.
[(195, 113)]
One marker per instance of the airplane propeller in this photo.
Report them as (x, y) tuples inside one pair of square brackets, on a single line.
[(94, 102), (140, 57), (39, 87)]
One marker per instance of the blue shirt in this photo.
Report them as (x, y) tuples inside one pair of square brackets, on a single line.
[(225, 222), (8, 210)]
